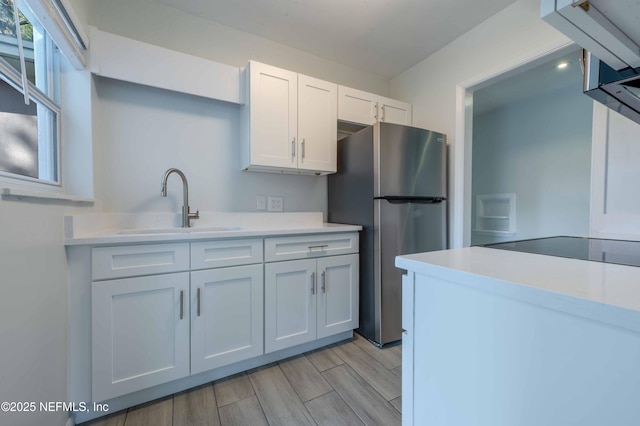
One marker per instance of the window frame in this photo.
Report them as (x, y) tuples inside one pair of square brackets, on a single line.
[(49, 146)]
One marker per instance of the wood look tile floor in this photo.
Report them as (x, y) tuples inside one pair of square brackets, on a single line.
[(348, 383)]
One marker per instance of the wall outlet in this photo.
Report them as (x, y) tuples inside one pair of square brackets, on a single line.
[(275, 204), (261, 202)]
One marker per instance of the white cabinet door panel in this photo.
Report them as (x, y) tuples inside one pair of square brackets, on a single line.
[(392, 111), (317, 124), (290, 304), (356, 106), (338, 292), (274, 116), (226, 316), (140, 333)]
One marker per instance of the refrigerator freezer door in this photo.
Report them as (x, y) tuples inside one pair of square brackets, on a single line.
[(410, 161), (401, 228)]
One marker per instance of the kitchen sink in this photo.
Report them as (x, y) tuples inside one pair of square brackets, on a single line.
[(179, 230)]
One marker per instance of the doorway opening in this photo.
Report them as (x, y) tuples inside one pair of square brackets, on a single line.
[(527, 152)]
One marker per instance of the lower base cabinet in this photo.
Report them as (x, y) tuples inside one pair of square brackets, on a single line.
[(140, 333), (141, 326), (226, 316), (309, 299), (165, 311)]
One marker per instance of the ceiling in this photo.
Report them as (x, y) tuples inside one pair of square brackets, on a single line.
[(533, 79), (384, 37)]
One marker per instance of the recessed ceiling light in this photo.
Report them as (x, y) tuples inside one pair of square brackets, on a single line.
[(563, 65)]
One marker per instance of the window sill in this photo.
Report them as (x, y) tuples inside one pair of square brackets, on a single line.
[(22, 194)]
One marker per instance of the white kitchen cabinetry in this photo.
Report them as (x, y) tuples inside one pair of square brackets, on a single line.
[(141, 259), (312, 297), (317, 125), (140, 333), (141, 325), (289, 122), (290, 304), (357, 106), (226, 302), (150, 319), (226, 316), (338, 287)]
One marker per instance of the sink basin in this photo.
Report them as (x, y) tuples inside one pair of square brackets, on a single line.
[(179, 230)]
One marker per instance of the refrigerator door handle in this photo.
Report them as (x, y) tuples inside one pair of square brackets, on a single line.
[(398, 199)]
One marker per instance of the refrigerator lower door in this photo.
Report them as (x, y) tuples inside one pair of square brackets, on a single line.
[(401, 228)]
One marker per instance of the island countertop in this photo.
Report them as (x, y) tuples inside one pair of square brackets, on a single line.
[(586, 288)]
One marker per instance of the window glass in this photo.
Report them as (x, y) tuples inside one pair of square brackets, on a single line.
[(18, 133), (9, 40)]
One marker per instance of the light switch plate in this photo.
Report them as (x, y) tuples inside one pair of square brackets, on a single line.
[(275, 204), (261, 202)]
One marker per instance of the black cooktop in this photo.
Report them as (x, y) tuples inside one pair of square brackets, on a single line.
[(599, 250)]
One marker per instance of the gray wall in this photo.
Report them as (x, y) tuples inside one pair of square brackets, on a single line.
[(143, 131)]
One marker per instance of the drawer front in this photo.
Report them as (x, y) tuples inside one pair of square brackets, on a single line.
[(218, 254), (135, 260), (309, 246)]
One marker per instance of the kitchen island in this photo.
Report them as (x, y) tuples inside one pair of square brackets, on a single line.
[(501, 338)]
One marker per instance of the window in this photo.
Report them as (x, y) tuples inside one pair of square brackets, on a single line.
[(29, 132)]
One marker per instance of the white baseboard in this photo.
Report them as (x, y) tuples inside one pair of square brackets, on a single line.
[(125, 401)]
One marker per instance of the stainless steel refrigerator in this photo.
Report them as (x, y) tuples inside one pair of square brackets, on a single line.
[(391, 180)]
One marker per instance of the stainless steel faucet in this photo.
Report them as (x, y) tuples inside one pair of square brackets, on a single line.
[(186, 214)]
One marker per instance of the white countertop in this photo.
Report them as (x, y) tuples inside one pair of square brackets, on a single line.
[(95, 229), (592, 289)]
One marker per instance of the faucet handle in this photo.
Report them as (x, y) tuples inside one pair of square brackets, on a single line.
[(195, 215)]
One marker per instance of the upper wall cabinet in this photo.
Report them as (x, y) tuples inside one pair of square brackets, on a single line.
[(608, 29), (289, 122), (366, 108)]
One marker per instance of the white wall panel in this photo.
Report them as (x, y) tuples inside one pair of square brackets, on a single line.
[(615, 193)]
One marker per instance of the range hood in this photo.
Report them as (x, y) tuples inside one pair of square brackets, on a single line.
[(609, 31), (618, 90)]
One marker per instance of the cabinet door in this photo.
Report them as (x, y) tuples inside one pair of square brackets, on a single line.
[(226, 316), (356, 106), (338, 291), (396, 112), (274, 116), (289, 304), (317, 124), (140, 333)]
